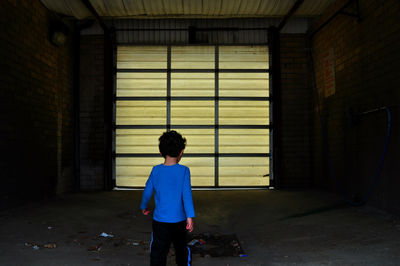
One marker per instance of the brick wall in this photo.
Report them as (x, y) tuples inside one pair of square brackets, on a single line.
[(296, 115), (92, 112), (36, 80), (366, 56)]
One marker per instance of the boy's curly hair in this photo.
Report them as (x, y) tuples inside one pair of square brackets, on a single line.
[(171, 143)]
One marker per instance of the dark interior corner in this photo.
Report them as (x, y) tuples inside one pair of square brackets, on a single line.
[(37, 86)]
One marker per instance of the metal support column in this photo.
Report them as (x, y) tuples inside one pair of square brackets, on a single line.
[(109, 41), (276, 101), (76, 106), (108, 108)]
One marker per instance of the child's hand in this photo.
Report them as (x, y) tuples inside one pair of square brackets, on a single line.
[(146, 211), (189, 224)]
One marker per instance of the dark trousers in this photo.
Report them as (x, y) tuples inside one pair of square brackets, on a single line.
[(163, 235)]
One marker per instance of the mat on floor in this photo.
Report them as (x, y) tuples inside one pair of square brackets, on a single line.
[(215, 245)]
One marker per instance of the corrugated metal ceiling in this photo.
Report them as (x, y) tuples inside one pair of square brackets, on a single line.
[(187, 8)]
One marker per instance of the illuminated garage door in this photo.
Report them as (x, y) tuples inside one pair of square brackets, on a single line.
[(215, 96)]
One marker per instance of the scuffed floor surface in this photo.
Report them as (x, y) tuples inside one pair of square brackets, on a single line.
[(274, 228)]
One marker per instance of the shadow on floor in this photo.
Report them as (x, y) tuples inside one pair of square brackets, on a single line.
[(273, 227)]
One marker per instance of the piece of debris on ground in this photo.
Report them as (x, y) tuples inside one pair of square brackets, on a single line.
[(38, 246)]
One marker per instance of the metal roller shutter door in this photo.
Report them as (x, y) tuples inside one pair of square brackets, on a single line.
[(216, 96)]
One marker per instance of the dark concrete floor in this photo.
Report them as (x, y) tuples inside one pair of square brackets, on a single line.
[(274, 227)]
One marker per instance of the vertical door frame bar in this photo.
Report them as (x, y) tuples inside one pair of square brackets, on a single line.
[(109, 44), (276, 102), (168, 88), (216, 117)]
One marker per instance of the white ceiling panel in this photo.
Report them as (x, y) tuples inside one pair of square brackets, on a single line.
[(276, 7), (115, 8), (249, 7), (187, 8), (68, 7), (136, 6), (173, 6), (231, 7)]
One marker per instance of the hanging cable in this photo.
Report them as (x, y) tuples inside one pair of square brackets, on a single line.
[(365, 198)]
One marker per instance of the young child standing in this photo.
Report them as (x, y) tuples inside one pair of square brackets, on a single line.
[(174, 209)]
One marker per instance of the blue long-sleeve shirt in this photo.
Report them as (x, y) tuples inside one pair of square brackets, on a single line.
[(173, 193)]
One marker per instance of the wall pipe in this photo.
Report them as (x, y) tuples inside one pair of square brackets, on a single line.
[(373, 110)]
